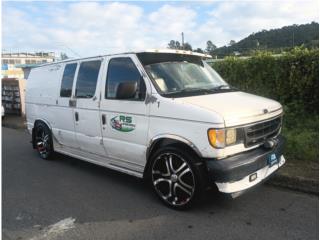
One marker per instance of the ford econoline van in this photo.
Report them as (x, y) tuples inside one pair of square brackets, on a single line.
[(162, 115)]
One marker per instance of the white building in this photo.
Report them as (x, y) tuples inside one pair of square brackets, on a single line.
[(14, 77), (11, 63)]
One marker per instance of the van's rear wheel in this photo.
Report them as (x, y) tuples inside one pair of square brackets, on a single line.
[(43, 140), (175, 178)]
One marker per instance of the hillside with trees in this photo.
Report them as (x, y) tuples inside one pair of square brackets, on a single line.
[(274, 39)]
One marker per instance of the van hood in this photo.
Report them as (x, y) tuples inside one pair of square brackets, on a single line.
[(236, 108)]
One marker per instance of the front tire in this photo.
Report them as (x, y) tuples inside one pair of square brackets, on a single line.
[(43, 141), (175, 178)]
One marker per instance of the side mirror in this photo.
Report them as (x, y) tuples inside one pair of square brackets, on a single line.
[(126, 90)]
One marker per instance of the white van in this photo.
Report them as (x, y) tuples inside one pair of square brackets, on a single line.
[(162, 115)]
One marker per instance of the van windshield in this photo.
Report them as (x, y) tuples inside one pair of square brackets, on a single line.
[(179, 75)]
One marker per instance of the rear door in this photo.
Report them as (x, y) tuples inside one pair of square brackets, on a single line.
[(64, 127), (86, 112), (124, 121)]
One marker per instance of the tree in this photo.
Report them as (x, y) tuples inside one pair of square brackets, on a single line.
[(210, 47), (187, 46), (178, 46), (63, 56), (172, 44), (199, 50), (232, 42)]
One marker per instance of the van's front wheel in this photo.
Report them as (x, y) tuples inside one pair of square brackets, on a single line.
[(175, 178), (43, 141)]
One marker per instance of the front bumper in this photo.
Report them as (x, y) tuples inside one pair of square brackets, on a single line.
[(235, 174)]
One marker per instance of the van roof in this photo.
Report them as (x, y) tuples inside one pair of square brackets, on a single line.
[(172, 51)]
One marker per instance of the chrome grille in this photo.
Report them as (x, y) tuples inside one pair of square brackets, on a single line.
[(258, 133)]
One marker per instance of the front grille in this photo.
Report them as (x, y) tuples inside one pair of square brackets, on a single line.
[(258, 133)]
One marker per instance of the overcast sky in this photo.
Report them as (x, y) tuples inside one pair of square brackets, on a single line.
[(91, 28)]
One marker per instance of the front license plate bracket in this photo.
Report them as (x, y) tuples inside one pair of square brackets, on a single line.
[(272, 159)]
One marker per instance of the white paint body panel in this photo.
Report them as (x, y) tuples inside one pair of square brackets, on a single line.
[(87, 128), (237, 108), (129, 147), (186, 119)]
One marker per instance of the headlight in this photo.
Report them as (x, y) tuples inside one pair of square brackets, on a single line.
[(219, 138), (231, 136)]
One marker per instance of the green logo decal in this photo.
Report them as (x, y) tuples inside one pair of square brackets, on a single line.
[(122, 123)]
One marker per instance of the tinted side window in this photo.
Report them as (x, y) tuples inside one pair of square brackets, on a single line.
[(87, 79), (123, 70), (67, 80)]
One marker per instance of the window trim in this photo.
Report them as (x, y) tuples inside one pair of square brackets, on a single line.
[(74, 76), (74, 95), (141, 79)]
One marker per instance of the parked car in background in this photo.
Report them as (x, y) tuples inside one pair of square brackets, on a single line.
[(162, 115)]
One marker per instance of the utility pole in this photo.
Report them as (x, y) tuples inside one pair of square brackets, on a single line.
[(182, 42)]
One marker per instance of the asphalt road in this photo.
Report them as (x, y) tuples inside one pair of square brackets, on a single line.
[(70, 199)]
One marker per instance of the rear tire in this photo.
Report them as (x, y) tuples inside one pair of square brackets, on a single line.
[(175, 178), (43, 141)]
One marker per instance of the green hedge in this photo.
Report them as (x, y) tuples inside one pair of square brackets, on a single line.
[(291, 79)]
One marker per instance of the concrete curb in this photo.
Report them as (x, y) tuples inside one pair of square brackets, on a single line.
[(290, 182), (295, 183), (14, 126), (15, 122)]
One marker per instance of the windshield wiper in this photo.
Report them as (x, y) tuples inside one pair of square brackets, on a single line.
[(203, 90), (222, 87), (186, 90), (192, 89)]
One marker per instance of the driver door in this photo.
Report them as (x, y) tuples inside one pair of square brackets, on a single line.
[(125, 122)]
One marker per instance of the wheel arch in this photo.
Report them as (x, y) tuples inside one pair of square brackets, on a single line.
[(42, 120), (166, 140), (34, 126)]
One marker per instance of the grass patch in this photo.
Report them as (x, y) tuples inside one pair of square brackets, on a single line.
[(302, 136)]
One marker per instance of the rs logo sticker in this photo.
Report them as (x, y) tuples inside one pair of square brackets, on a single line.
[(122, 123)]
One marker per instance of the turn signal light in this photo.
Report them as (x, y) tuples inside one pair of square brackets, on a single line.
[(219, 138), (216, 137)]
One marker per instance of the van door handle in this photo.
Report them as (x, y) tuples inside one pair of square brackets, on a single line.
[(76, 115), (103, 119)]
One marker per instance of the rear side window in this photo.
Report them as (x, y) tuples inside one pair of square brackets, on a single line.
[(87, 79), (67, 80), (123, 70)]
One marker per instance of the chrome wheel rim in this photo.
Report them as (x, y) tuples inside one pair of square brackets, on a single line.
[(173, 179), (42, 143)]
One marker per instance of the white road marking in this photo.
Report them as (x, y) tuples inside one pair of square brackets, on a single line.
[(68, 229), (56, 229)]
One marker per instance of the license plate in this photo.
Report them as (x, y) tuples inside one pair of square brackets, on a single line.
[(272, 159)]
